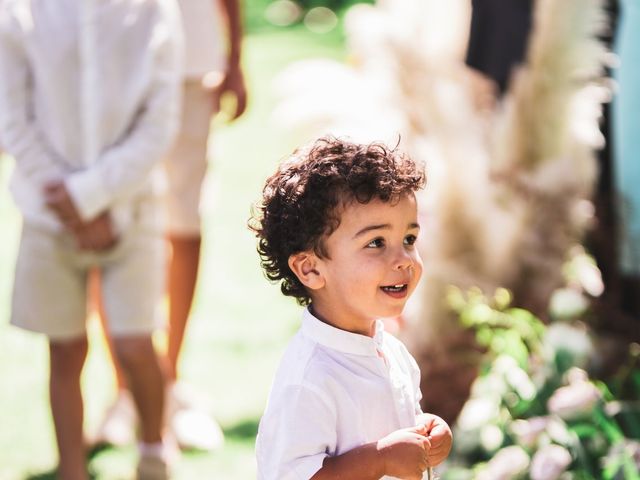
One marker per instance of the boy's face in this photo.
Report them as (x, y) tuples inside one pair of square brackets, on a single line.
[(373, 265)]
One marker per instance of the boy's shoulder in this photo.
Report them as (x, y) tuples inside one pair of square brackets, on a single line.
[(159, 7), (169, 8), (310, 364), (7, 5), (14, 14), (16, 22), (304, 361), (399, 350)]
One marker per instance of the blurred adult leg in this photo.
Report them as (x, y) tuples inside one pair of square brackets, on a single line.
[(66, 361), (132, 282), (186, 167), (143, 372), (96, 304), (183, 275), (120, 420)]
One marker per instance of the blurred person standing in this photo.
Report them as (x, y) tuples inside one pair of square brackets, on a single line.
[(213, 54), (626, 154), (89, 103)]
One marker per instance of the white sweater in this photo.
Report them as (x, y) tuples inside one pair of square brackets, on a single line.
[(89, 93)]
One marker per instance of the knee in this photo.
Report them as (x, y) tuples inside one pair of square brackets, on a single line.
[(134, 351), (67, 357)]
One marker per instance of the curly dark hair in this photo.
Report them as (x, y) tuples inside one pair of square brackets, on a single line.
[(300, 201)]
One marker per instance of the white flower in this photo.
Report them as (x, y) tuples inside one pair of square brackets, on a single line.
[(568, 303), (627, 448), (492, 384), (588, 274), (521, 383), (528, 431), (504, 363), (478, 412), (508, 463), (576, 375), (491, 437), (516, 377), (558, 431), (574, 400), (549, 463), (571, 339)]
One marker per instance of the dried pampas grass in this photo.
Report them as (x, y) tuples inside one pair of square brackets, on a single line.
[(508, 188)]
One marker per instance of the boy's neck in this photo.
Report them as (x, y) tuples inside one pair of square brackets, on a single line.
[(326, 319)]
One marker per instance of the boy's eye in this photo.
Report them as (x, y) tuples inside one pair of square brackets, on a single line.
[(376, 243), (410, 239)]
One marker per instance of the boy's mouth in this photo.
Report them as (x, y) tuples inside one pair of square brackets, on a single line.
[(398, 290)]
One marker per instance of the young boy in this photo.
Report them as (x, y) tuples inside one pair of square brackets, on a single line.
[(89, 102), (337, 227)]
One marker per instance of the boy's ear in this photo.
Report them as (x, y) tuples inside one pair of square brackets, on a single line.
[(304, 266)]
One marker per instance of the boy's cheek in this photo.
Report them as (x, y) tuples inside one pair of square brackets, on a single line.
[(418, 265)]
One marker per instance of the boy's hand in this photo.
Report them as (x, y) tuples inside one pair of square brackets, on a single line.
[(97, 234), (58, 199), (440, 436), (405, 453)]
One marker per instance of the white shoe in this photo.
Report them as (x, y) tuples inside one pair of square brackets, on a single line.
[(157, 460), (151, 467), (119, 423), (188, 421)]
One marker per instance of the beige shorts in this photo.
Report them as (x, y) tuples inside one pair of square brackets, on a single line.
[(186, 163), (50, 286)]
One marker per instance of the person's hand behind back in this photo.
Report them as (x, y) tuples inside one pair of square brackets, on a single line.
[(96, 234)]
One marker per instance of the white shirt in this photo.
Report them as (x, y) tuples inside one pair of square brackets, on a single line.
[(334, 391), (90, 92), (204, 43)]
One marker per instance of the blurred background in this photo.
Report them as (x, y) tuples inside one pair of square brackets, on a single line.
[(527, 321)]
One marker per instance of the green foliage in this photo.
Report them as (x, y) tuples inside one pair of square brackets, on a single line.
[(534, 395), (335, 5), (254, 10)]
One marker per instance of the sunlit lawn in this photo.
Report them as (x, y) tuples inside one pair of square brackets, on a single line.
[(240, 322)]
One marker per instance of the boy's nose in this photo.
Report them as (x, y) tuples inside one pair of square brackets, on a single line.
[(403, 260)]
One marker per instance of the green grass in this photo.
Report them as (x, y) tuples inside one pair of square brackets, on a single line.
[(240, 322)]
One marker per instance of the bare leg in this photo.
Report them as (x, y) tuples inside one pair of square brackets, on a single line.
[(95, 298), (183, 273), (67, 360), (146, 382)]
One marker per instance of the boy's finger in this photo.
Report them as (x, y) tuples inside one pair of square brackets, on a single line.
[(419, 429), (439, 429), (426, 444), (439, 447)]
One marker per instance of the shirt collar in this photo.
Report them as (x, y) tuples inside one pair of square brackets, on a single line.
[(341, 340)]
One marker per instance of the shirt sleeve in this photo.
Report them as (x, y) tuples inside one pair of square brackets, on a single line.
[(296, 434), (120, 170), (20, 134)]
